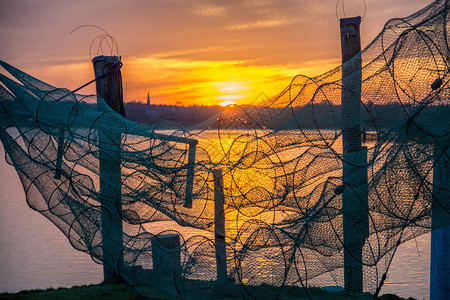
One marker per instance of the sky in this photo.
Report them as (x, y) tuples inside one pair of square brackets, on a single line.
[(187, 52)]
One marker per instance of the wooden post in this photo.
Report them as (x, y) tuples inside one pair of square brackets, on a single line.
[(166, 256), (109, 88), (60, 153), (440, 234), (354, 198), (109, 82), (190, 175), (219, 226)]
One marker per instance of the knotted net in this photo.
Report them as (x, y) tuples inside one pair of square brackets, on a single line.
[(146, 201)]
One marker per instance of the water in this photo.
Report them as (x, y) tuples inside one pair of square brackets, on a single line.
[(409, 275), (35, 254)]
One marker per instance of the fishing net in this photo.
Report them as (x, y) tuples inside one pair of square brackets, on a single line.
[(264, 200)]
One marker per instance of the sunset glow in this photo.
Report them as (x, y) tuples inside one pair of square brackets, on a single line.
[(226, 103), (184, 52), (258, 148), (189, 82)]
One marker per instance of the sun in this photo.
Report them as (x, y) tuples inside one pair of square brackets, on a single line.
[(226, 103)]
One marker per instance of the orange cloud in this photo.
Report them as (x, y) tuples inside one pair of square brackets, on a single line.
[(264, 24)]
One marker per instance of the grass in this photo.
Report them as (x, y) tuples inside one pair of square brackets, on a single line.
[(87, 292), (124, 291)]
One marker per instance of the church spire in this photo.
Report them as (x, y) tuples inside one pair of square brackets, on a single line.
[(148, 98)]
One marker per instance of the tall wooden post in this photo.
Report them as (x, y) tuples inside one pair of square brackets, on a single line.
[(219, 226), (109, 84), (355, 199), (166, 257), (190, 175), (440, 234), (109, 88)]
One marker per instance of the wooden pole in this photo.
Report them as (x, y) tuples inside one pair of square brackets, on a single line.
[(190, 175), (219, 226), (440, 234), (109, 82), (60, 154), (166, 256), (354, 197), (109, 88)]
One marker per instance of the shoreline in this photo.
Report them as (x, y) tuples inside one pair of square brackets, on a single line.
[(125, 291)]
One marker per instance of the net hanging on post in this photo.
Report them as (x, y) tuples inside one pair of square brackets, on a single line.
[(281, 162)]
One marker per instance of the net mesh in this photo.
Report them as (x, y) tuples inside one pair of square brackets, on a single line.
[(261, 200)]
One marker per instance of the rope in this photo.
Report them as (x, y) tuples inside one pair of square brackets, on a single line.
[(100, 77)]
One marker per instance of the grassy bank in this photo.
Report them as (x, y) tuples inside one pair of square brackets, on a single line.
[(87, 292), (124, 291)]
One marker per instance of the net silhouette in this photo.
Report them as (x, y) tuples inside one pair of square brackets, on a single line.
[(278, 164)]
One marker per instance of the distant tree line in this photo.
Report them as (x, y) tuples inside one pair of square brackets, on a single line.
[(186, 115), (311, 116)]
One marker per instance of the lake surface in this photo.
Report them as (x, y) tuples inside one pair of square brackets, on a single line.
[(35, 254)]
